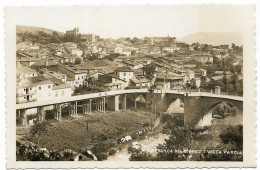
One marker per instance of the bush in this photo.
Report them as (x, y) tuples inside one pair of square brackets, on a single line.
[(233, 135), (139, 155), (130, 149), (49, 114), (101, 156), (112, 151), (165, 118)]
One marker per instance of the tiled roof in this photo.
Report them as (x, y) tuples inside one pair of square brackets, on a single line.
[(44, 62), (124, 69), (24, 70), (58, 84), (97, 63)]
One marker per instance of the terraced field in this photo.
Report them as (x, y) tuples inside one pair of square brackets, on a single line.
[(72, 133)]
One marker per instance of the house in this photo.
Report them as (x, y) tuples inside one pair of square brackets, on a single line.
[(97, 65), (53, 74), (76, 51), (66, 58), (202, 57), (44, 63), (25, 72), (176, 80), (40, 88), (119, 50), (26, 61), (107, 83), (190, 63), (23, 46), (161, 85), (195, 82), (26, 46), (169, 49), (91, 38), (75, 76), (124, 73), (140, 82)]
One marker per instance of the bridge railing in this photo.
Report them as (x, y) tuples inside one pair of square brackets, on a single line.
[(118, 92)]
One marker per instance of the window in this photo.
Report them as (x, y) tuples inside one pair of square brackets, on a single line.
[(23, 89), (124, 74), (49, 86), (40, 87), (30, 88)]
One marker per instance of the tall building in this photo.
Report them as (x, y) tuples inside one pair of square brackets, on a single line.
[(73, 32)]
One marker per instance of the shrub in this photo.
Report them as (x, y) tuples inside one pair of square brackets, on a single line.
[(101, 156), (165, 118), (139, 155), (112, 151), (233, 135)]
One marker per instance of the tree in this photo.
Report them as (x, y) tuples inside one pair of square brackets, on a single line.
[(134, 40), (153, 106), (128, 39), (77, 61), (180, 139), (150, 70), (225, 81), (205, 47), (78, 38), (55, 37), (40, 128)]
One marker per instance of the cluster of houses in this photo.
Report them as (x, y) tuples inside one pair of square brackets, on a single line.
[(48, 71)]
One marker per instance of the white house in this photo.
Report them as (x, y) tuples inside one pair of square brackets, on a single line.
[(124, 73)]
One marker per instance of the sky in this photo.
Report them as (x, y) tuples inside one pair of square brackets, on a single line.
[(136, 20)]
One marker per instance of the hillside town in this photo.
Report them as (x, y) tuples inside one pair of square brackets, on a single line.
[(60, 65), (81, 97)]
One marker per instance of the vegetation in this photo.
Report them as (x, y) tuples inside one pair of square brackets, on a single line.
[(112, 56), (150, 70), (233, 135), (77, 61), (40, 128)]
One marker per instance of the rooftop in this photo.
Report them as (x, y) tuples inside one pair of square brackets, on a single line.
[(24, 70), (44, 62), (124, 69)]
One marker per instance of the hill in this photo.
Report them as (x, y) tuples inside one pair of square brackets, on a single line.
[(33, 29), (214, 38)]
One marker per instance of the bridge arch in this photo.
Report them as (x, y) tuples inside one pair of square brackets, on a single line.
[(218, 110), (175, 105)]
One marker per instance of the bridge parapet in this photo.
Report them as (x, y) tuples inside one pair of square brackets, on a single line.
[(119, 92)]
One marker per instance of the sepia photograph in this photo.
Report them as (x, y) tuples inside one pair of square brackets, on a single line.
[(130, 83)]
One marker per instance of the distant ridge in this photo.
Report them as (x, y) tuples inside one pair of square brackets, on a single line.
[(214, 38), (33, 29)]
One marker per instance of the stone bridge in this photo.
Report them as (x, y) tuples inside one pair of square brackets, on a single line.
[(197, 105)]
